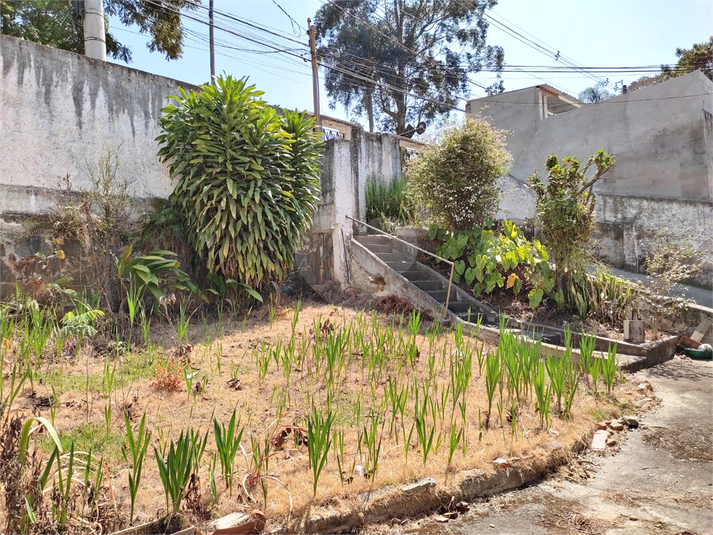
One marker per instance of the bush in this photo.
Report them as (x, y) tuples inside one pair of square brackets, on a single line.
[(457, 179), (248, 179), (565, 208), (489, 260), (387, 202)]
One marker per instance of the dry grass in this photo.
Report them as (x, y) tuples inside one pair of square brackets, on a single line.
[(263, 404)]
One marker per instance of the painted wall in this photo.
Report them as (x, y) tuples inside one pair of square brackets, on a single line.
[(661, 136)]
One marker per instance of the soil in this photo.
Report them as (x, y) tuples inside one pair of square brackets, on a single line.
[(225, 358)]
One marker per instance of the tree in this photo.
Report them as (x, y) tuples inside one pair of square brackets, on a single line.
[(55, 23), (402, 62), (457, 178), (644, 81), (699, 56), (596, 93), (248, 179), (565, 208)]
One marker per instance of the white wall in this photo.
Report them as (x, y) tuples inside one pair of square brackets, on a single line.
[(659, 136), (60, 112)]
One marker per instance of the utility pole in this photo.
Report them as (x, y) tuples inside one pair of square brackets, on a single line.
[(315, 74), (211, 33), (94, 33)]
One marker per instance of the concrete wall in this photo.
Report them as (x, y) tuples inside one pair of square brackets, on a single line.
[(629, 226), (661, 136), (60, 112), (347, 165)]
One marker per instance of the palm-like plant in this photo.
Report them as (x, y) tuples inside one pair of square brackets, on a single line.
[(596, 93)]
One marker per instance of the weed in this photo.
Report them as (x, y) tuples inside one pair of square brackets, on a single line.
[(137, 444), (167, 377), (319, 441), (227, 441)]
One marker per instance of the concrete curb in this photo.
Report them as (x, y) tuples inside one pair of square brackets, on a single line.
[(424, 496)]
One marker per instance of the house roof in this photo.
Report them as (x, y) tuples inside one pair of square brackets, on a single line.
[(562, 101)]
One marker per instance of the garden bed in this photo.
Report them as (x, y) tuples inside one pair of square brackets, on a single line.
[(402, 399)]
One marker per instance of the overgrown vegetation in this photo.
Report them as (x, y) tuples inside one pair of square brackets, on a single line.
[(456, 179), (487, 259), (248, 179), (335, 401), (565, 209), (388, 204)]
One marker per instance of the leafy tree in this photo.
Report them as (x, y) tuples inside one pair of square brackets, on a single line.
[(457, 178), (382, 55), (248, 179), (699, 56), (565, 208), (596, 93), (53, 23), (644, 81)]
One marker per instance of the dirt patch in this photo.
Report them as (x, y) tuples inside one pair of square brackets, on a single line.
[(689, 444)]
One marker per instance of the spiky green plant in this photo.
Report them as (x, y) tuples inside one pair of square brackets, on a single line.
[(248, 178)]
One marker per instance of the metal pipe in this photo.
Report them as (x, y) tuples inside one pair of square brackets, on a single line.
[(402, 241)]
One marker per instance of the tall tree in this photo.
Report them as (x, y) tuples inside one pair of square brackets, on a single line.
[(699, 56), (596, 93), (403, 62), (55, 23)]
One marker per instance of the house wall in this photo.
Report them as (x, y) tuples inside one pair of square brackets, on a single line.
[(660, 135)]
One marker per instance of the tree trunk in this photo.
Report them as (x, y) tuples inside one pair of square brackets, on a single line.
[(369, 105)]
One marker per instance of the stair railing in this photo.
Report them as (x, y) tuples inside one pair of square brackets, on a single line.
[(429, 253)]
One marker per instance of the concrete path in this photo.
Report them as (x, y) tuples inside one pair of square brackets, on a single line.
[(700, 296), (660, 482)]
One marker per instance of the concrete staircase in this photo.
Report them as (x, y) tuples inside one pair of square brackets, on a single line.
[(422, 279)]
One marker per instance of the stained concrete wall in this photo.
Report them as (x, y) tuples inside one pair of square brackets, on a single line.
[(661, 136), (629, 226), (60, 112), (347, 165)]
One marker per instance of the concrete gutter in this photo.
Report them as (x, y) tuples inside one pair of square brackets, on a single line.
[(425, 495)]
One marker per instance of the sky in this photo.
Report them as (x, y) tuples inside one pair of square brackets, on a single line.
[(588, 32)]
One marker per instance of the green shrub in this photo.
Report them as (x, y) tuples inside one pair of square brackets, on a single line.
[(489, 260), (457, 178), (248, 178), (387, 201), (565, 208)]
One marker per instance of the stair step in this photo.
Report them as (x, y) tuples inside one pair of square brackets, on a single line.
[(440, 294), (472, 317), (393, 256), (401, 267), (374, 240), (415, 275), (379, 249), (461, 307), (430, 285)]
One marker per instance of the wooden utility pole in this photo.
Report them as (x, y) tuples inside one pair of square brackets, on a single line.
[(315, 73), (211, 32)]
